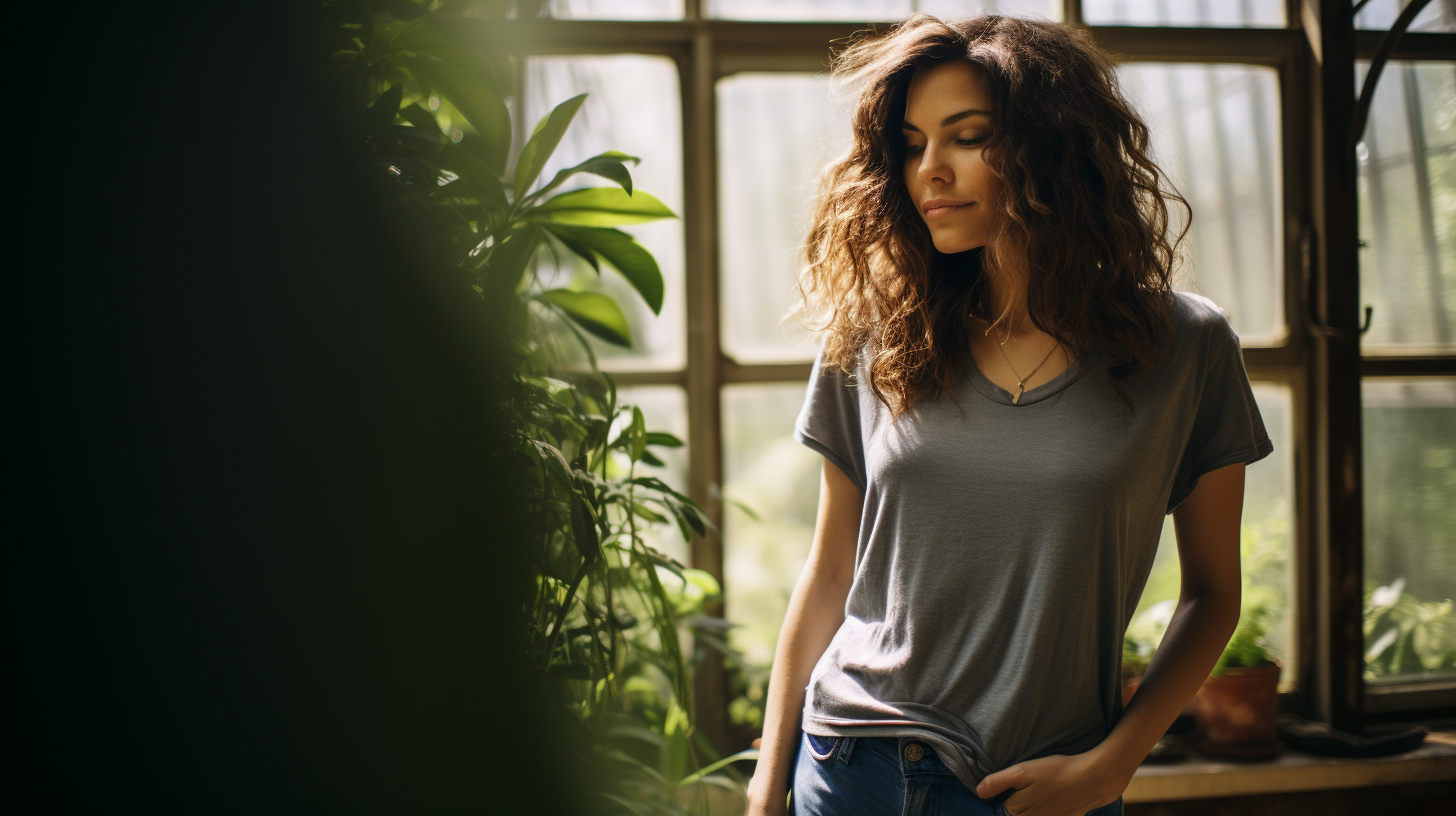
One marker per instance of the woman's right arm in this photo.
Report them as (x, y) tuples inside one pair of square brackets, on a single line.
[(816, 610)]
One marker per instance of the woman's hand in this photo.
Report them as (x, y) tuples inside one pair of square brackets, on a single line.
[(762, 802), (1056, 785)]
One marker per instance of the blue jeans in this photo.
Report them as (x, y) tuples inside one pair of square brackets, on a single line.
[(875, 776)]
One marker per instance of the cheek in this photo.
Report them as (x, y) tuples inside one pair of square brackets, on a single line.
[(985, 177), (909, 174), (976, 171)]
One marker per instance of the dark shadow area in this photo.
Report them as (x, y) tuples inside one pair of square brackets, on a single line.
[(1414, 799), (267, 556)]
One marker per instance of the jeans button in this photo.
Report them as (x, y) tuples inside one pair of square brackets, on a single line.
[(914, 752)]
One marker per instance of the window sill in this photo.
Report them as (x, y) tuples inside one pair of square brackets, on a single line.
[(1202, 776)]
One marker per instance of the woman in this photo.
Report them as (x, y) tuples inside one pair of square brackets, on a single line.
[(1009, 400)]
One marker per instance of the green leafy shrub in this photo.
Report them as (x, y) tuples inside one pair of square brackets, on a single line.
[(1247, 648), (1416, 636), (609, 614)]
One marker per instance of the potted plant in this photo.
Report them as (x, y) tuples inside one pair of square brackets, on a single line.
[(1235, 707), (1133, 666), (1139, 643)]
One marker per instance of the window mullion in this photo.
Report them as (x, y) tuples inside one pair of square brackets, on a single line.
[(1336, 685), (704, 372)]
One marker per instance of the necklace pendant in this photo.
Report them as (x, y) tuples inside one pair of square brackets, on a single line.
[(1019, 392)]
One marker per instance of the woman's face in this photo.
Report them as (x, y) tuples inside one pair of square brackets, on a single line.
[(947, 118)]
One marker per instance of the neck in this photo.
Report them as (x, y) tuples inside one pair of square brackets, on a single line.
[(1006, 293)]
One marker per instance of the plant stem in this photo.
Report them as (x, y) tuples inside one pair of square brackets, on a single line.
[(561, 613)]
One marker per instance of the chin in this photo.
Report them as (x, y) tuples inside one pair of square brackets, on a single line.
[(952, 244)]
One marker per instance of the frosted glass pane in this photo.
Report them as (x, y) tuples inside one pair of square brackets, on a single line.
[(633, 106), (1408, 207), (1212, 13), (664, 408), (778, 478), (615, 9), (1267, 545), (877, 9), (1034, 9), (776, 132), (1216, 135), (1409, 444), (1438, 15)]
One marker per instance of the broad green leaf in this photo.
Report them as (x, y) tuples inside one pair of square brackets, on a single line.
[(596, 313), (554, 457), (645, 512), (582, 250), (745, 508), (423, 120), (418, 138), (543, 143), (747, 753), (634, 437), (584, 530), (386, 107), (482, 107), (571, 671), (667, 440), (609, 165), (459, 192), (508, 263), (621, 251), (601, 207), (639, 433), (426, 39), (703, 581), (477, 172)]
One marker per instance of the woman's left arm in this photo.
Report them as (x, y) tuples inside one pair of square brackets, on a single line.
[(1207, 525)]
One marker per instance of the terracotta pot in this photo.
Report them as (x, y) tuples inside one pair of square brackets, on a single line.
[(1128, 689), (1239, 707)]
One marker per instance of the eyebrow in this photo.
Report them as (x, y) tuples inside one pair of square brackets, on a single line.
[(949, 120)]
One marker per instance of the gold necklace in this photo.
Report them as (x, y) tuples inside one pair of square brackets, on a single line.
[(1020, 380)]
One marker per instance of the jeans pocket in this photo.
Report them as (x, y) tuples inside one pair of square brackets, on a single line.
[(821, 748)]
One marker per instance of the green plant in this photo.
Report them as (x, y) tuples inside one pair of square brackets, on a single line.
[(1262, 559), (609, 613), (1418, 637), (1146, 631), (1247, 647)]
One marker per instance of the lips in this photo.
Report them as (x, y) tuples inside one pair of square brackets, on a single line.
[(937, 207)]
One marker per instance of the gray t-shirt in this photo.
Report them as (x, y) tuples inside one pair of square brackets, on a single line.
[(1003, 547)]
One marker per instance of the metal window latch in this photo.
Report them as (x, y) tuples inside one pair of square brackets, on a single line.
[(1311, 321)]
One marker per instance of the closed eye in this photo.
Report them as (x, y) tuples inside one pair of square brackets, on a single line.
[(961, 142)]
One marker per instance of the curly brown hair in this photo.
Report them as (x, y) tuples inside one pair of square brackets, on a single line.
[(1086, 211)]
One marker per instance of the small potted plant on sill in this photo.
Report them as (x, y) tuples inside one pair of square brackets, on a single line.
[(1133, 666), (1139, 643), (1235, 708)]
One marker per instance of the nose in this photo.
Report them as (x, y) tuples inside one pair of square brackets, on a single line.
[(933, 167)]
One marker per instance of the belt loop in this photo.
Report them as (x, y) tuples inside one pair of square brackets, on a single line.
[(845, 748)]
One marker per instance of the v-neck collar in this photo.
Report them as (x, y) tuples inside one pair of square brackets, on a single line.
[(1050, 388)]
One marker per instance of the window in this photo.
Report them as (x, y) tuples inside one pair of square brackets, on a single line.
[(692, 85)]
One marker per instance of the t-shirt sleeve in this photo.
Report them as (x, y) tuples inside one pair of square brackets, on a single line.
[(1227, 426), (829, 421)]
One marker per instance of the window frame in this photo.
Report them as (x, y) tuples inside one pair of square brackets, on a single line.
[(1322, 368)]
